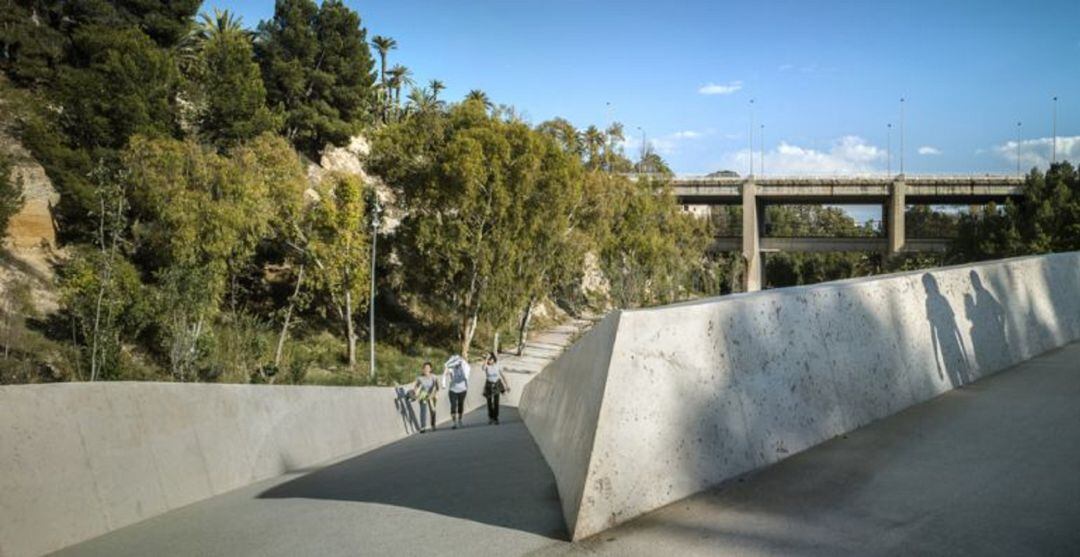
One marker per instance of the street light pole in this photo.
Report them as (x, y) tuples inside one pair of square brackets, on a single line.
[(376, 209), (751, 138), (641, 163), (888, 149), (762, 149), (1018, 125), (901, 136), (611, 121), (1053, 152)]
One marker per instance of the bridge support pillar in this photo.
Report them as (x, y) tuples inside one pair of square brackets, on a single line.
[(894, 217), (752, 219)]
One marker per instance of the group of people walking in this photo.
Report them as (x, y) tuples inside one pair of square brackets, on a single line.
[(455, 380)]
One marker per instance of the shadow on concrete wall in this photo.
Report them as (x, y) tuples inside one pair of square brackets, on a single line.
[(490, 474), (987, 317), (405, 410), (950, 352)]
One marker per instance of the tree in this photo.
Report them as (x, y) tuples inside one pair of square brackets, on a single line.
[(436, 87), (480, 97), (489, 205), (340, 250), (232, 94), (100, 288), (317, 67), (400, 76), (383, 45)]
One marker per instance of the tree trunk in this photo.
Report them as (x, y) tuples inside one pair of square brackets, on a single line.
[(350, 330), (495, 343), (288, 318), (468, 330), (523, 328)]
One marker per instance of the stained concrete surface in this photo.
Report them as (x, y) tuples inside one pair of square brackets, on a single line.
[(699, 392), (481, 490), (989, 469), (992, 468)]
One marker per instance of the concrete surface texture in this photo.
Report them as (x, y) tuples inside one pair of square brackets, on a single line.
[(693, 394), (984, 470), (989, 469), (82, 459), (561, 406), (481, 490)]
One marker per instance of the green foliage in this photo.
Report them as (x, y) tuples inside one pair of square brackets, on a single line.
[(489, 208), (11, 197), (339, 245), (230, 90), (1046, 220), (318, 68), (653, 248), (102, 294), (119, 84)]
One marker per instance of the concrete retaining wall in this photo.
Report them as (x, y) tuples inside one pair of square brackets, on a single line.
[(698, 393), (80, 459)]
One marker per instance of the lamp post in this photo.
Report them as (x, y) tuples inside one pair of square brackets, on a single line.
[(376, 210), (1053, 146), (1018, 126), (901, 136), (762, 134), (607, 154), (751, 137), (641, 164), (888, 149)]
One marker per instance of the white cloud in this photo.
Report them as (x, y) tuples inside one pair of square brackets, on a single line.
[(1036, 152), (666, 144), (786, 67), (848, 155), (928, 150), (720, 89)]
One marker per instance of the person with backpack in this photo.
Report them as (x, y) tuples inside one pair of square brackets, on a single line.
[(426, 391), (495, 384), (456, 380)]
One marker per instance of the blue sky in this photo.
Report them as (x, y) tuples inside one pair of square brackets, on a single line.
[(826, 77)]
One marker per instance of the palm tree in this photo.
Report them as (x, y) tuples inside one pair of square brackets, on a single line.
[(400, 76), (436, 86), (419, 101), (593, 139), (383, 45), (222, 23), (479, 96)]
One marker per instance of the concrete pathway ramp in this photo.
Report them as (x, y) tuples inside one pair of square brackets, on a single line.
[(657, 404)]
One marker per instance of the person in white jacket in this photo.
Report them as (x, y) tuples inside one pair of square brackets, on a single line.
[(456, 381)]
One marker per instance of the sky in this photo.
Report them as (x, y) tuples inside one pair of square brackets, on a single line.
[(826, 78)]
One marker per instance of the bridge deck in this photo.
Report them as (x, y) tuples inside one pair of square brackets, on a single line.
[(987, 469), (850, 189)]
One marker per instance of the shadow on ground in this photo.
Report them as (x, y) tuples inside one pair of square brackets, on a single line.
[(490, 474)]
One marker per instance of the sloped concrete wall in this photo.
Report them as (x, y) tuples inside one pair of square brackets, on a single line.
[(80, 459), (698, 393), (560, 407)]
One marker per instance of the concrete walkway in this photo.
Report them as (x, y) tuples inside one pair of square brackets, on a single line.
[(991, 469)]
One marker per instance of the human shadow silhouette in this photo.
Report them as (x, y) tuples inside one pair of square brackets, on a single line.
[(489, 474), (950, 353), (988, 337), (405, 409)]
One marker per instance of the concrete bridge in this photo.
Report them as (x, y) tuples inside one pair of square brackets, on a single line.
[(893, 194), (930, 412)]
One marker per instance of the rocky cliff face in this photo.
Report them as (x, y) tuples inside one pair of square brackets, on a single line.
[(350, 160), (30, 242)]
